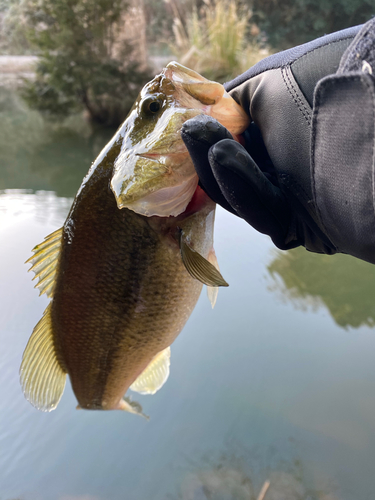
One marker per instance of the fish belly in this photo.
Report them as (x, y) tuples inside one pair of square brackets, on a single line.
[(122, 295)]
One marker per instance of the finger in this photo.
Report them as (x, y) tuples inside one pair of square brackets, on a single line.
[(248, 191), (199, 134)]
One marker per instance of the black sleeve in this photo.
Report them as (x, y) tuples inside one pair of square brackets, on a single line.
[(305, 175), (342, 149)]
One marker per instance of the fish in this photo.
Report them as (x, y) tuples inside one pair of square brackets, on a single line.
[(126, 269)]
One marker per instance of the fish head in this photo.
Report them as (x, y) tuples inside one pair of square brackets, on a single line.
[(153, 173)]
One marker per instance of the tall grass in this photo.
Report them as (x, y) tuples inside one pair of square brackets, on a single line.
[(217, 40)]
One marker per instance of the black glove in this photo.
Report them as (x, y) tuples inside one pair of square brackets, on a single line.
[(269, 181)]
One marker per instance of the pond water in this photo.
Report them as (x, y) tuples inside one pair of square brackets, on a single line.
[(276, 383)]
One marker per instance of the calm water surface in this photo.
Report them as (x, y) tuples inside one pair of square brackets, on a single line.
[(277, 382)]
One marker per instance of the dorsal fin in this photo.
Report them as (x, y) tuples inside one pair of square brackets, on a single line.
[(155, 375), (44, 262), (42, 377)]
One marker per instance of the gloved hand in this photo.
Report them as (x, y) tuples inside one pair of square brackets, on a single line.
[(268, 180)]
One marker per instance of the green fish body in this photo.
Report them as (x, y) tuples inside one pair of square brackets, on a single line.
[(126, 270)]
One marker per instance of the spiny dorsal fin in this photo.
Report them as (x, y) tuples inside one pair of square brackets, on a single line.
[(155, 375), (198, 267), (41, 375), (44, 262), (212, 291)]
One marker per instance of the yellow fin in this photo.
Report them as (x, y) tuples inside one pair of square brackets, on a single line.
[(126, 404), (41, 375), (212, 291), (198, 267), (44, 262), (155, 375)]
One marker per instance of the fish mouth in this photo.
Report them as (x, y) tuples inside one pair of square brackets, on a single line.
[(167, 161), (169, 200), (166, 202)]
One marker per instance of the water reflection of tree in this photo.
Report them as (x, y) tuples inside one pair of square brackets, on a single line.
[(36, 155), (346, 286), (231, 477), (64, 157)]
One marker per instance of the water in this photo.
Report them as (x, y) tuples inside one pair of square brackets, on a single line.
[(276, 383)]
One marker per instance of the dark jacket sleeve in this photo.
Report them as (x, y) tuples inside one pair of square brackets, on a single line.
[(342, 149)]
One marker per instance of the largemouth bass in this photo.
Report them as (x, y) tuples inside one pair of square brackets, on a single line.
[(126, 269)]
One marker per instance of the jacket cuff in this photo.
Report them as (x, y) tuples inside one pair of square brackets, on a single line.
[(342, 155)]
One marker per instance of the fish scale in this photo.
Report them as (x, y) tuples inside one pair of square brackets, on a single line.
[(140, 268)]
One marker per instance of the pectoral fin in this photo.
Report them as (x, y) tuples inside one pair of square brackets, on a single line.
[(155, 375), (42, 377), (198, 267), (212, 291), (44, 262)]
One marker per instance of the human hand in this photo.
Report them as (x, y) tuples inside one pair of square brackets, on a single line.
[(267, 181)]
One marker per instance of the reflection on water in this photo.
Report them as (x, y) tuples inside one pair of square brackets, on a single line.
[(44, 207), (255, 370), (35, 154), (346, 286), (232, 477)]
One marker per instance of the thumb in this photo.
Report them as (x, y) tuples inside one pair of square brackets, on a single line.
[(199, 134)]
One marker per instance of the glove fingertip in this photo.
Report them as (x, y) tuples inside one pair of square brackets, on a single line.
[(233, 157), (248, 190), (205, 130)]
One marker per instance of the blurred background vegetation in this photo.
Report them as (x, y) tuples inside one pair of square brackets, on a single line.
[(343, 285), (94, 55)]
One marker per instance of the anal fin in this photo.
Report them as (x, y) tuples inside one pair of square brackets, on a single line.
[(155, 374), (41, 375)]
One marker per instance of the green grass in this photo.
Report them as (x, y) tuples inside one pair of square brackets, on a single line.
[(218, 41)]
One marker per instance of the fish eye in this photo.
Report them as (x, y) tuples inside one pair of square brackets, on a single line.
[(154, 106), (151, 106)]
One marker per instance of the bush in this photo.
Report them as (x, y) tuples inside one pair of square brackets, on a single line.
[(217, 40), (291, 22), (84, 61)]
